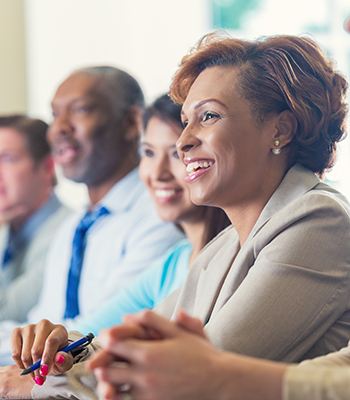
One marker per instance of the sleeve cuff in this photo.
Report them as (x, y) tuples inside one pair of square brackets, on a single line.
[(316, 383)]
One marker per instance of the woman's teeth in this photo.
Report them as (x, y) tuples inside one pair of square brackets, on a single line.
[(193, 167), (164, 193)]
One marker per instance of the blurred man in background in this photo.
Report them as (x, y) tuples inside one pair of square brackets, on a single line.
[(30, 212)]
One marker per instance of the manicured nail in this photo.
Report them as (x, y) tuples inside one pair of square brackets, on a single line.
[(39, 380), (34, 379), (60, 359), (44, 370)]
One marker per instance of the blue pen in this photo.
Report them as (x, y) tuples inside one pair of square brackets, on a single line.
[(86, 339)]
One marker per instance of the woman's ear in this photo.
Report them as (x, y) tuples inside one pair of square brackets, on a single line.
[(286, 124)]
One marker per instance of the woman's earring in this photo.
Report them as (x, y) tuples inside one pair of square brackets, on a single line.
[(276, 151)]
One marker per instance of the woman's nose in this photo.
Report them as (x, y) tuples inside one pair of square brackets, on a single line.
[(161, 171), (187, 141)]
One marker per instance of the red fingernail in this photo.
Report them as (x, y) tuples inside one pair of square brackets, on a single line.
[(60, 359), (39, 380), (44, 370), (34, 379)]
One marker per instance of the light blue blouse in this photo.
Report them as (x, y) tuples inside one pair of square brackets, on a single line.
[(146, 291)]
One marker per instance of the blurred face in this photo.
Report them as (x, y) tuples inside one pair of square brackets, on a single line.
[(347, 25), (85, 137), (164, 174), (21, 181), (227, 153)]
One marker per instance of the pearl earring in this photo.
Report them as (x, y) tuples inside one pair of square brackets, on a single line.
[(276, 151)]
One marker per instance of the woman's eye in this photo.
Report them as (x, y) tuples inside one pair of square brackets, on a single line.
[(210, 115), (176, 154), (148, 153), (184, 124)]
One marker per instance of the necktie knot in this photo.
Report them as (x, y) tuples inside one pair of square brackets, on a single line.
[(90, 217)]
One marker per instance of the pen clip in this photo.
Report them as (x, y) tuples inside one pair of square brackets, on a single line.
[(77, 351)]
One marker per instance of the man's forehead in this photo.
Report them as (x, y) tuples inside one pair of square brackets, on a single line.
[(12, 138), (79, 87)]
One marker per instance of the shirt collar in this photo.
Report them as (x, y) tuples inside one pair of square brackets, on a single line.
[(123, 194), (28, 230)]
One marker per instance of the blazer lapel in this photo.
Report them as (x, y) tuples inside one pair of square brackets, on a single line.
[(229, 265), (211, 283), (213, 276), (296, 182)]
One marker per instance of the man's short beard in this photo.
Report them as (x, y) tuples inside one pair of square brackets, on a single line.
[(102, 165)]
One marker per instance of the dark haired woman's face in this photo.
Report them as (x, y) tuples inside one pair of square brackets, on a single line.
[(164, 174), (227, 153)]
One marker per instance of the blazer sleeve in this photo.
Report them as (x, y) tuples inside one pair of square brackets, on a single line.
[(323, 378)]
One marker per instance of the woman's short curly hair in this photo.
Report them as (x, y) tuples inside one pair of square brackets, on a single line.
[(279, 73)]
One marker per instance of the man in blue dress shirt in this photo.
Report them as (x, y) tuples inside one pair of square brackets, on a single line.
[(97, 120)]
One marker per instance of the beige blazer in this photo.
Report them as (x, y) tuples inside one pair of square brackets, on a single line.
[(285, 295)]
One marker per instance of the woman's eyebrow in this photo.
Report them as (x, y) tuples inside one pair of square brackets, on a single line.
[(146, 144), (201, 103)]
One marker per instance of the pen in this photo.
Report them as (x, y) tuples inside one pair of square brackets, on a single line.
[(83, 341)]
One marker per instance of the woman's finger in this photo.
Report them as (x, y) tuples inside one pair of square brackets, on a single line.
[(54, 339), (62, 363), (100, 359), (28, 336), (16, 347), (116, 375), (189, 323), (153, 322)]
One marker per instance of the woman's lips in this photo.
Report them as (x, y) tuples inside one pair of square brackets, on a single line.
[(197, 168), (165, 195)]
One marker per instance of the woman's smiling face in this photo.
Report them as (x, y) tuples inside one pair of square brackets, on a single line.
[(226, 150), (164, 174)]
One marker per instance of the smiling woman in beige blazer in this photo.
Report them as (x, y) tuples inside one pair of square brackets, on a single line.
[(261, 121), (265, 116)]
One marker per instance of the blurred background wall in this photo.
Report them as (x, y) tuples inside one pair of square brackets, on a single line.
[(13, 93), (42, 41)]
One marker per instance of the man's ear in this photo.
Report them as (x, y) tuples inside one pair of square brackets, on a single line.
[(133, 123), (286, 124), (47, 166)]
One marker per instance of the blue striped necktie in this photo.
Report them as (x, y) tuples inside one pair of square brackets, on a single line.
[(78, 249), (16, 242), (8, 255)]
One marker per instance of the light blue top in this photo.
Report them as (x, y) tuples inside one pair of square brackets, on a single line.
[(146, 291)]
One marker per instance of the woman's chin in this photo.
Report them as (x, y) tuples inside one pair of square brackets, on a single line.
[(201, 199), (169, 216)]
